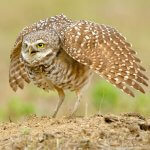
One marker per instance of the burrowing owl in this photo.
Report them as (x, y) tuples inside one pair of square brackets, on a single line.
[(58, 54)]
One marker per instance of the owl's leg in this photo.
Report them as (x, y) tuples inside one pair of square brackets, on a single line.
[(60, 101), (79, 95)]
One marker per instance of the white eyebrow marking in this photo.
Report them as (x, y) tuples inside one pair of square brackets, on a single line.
[(38, 41), (34, 43)]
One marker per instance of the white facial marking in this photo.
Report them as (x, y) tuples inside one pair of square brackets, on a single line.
[(38, 56)]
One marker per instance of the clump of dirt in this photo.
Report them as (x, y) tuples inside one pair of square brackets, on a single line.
[(106, 132)]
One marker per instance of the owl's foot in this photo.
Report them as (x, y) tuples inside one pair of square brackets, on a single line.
[(54, 115)]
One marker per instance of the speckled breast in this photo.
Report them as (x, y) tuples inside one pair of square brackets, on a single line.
[(68, 76), (62, 72)]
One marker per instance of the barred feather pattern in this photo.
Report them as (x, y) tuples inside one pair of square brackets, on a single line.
[(107, 52), (17, 73)]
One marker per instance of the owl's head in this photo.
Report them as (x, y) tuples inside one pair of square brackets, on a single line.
[(36, 46)]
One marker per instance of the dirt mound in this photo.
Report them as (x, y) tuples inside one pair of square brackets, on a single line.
[(107, 132)]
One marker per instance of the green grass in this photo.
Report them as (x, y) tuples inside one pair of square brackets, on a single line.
[(16, 108), (107, 98), (104, 96)]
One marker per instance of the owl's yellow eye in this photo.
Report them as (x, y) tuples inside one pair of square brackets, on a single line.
[(40, 45)]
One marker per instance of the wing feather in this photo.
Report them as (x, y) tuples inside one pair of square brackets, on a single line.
[(107, 52), (17, 73)]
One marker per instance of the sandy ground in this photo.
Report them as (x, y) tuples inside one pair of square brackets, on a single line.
[(106, 132)]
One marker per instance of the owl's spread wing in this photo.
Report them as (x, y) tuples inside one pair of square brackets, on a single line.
[(17, 73), (106, 51)]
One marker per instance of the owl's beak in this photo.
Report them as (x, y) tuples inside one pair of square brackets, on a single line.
[(32, 50)]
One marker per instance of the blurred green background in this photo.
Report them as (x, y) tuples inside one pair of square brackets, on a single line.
[(131, 17)]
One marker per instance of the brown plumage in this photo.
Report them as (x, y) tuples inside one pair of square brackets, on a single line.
[(58, 53)]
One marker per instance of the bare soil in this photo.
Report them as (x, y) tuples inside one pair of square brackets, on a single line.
[(106, 132)]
